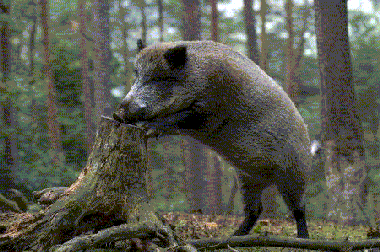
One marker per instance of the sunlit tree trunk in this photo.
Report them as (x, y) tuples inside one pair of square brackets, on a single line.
[(53, 125), (342, 134)]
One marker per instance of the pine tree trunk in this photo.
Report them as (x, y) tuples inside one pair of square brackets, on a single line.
[(342, 133)]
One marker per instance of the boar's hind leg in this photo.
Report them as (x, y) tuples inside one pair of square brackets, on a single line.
[(252, 204), (292, 192)]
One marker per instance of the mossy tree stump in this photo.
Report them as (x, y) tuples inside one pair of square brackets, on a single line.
[(109, 195)]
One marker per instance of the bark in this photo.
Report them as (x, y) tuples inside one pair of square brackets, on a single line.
[(264, 43), (194, 165), (128, 67), (53, 125), (111, 190), (191, 20), (160, 4), (270, 205), (31, 49), (169, 180), (294, 53), (234, 190), (342, 133), (102, 57), (213, 184), (149, 172), (250, 30), (6, 109), (87, 94), (144, 27), (6, 99), (214, 21)]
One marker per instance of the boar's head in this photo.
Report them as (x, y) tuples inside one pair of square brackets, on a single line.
[(167, 89)]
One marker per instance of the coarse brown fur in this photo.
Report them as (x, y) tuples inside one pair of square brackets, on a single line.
[(221, 98)]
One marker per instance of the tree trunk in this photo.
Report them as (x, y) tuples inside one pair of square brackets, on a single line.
[(102, 57), (342, 134), (191, 20), (110, 190), (128, 67), (231, 200), (31, 48), (195, 163), (268, 199), (294, 53), (250, 30), (144, 26), (10, 148), (214, 21), (264, 45), (160, 4), (53, 125), (169, 180), (86, 84), (213, 185)]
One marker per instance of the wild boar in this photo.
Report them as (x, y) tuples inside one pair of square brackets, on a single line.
[(224, 100)]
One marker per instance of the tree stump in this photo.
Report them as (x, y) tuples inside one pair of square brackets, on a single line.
[(111, 190)]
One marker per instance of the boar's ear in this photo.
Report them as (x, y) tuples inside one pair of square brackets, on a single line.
[(140, 45), (176, 57)]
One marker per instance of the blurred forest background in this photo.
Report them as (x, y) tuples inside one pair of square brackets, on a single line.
[(49, 115)]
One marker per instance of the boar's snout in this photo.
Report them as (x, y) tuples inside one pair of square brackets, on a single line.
[(130, 111)]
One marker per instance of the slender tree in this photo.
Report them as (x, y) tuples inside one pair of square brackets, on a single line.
[(213, 185), (6, 70), (144, 27), (294, 51), (214, 20), (86, 81), (102, 55), (196, 164), (34, 18), (342, 134), (160, 4), (10, 149), (53, 125), (191, 20), (125, 26), (250, 30), (264, 43)]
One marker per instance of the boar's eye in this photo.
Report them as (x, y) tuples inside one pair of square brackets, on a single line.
[(136, 72)]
